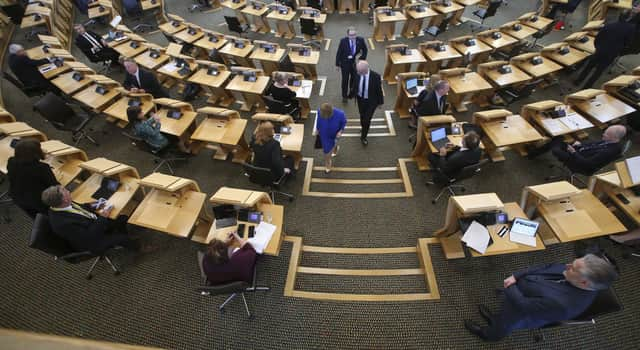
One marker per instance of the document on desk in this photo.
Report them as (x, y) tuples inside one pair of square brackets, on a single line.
[(477, 237), (575, 121), (633, 165), (170, 67), (264, 232), (553, 126)]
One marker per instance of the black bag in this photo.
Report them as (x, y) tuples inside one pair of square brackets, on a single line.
[(318, 143)]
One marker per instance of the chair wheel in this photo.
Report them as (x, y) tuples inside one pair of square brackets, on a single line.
[(290, 200), (89, 277), (252, 317), (222, 311), (116, 273), (433, 201)]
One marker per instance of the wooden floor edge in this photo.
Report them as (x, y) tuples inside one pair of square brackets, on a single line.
[(358, 169), (427, 264), (358, 195), (404, 174), (362, 297), (356, 181), (359, 272), (308, 173), (346, 250), (294, 260)]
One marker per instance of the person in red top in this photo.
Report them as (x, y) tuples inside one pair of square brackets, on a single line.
[(224, 262)]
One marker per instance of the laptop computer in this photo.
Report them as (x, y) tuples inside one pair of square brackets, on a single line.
[(225, 215), (107, 188), (412, 86), (439, 137), (523, 231)]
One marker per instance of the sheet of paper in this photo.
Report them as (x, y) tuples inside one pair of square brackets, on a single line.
[(553, 125), (633, 165), (171, 67), (477, 237), (263, 233), (577, 121)]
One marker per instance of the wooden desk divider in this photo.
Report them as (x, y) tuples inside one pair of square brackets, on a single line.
[(64, 160), (6, 116), (283, 119), (213, 77), (612, 86), (173, 205), (101, 168), (117, 112), (223, 131)]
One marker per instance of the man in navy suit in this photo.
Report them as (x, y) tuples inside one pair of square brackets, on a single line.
[(368, 92), (546, 294), (140, 80), (348, 49)]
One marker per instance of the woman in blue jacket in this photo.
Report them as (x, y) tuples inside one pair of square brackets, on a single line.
[(330, 126)]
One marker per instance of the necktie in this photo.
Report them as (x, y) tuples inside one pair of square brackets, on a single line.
[(94, 43), (138, 79), (361, 86), (353, 47), (81, 211)]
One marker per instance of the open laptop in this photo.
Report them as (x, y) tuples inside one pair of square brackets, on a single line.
[(412, 86), (107, 188), (523, 231), (225, 215), (439, 137)]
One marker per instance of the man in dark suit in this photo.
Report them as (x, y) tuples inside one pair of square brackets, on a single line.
[(348, 49), (610, 42), (26, 69), (94, 47), (139, 80), (433, 102), (586, 158), (546, 294), (450, 161), (82, 228), (368, 91)]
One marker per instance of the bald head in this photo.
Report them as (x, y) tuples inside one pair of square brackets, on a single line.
[(614, 133), (16, 49), (362, 67)]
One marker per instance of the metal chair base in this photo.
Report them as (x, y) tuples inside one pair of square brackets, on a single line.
[(167, 162), (448, 188), (273, 194), (115, 269), (244, 299)]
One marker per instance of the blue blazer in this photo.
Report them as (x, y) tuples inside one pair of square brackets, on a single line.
[(538, 298)]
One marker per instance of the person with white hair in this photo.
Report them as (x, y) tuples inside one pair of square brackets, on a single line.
[(26, 69)]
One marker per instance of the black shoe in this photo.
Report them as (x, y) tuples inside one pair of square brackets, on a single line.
[(364, 141), (474, 328), (485, 313), (412, 126)]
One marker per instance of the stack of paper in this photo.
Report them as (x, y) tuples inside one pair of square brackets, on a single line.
[(477, 237), (552, 125), (264, 232), (633, 165)]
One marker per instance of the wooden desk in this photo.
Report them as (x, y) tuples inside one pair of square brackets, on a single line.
[(588, 45), (500, 131), (115, 41), (503, 42), (101, 168), (537, 71), (303, 94), (260, 24), (172, 27), (236, 6), (237, 56), (37, 53), (573, 57), (347, 6), (422, 149), (533, 20), (171, 70), (399, 63), (50, 71), (306, 63), (94, 100), (148, 62), (284, 23), (454, 10), (385, 26), (523, 33), (68, 85), (99, 11), (438, 59), (464, 87), (404, 99), (621, 87), (545, 6), (319, 20), (15, 130), (499, 80), (147, 5), (181, 128), (214, 85), (536, 113), (599, 106), (225, 130), (268, 61), (127, 50), (189, 35), (415, 15), (478, 53), (207, 44), (30, 22), (64, 160), (251, 92), (174, 206), (609, 185), (117, 112)]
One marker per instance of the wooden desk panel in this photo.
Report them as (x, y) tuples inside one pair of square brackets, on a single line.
[(68, 85), (511, 131), (516, 76), (168, 212), (604, 108), (176, 127), (94, 100)]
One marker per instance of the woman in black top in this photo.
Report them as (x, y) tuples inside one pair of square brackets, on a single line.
[(267, 152), (280, 91), (28, 177)]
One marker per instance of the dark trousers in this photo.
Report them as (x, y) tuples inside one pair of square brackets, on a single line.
[(116, 235), (108, 54), (349, 78), (366, 113), (596, 63)]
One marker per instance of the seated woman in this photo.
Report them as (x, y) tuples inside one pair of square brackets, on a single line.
[(28, 177), (280, 91), (224, 263), (267, 152), (148, 129)]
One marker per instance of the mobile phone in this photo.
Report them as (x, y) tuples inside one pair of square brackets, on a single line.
[(241, 230), (252, 231)]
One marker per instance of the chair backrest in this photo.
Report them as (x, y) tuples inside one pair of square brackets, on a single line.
[(606, 302), (308, 26), (528, 88), (233, 23), (275, 106), (43, 238), (132, 8), (54, 109), (492, 8), (546, 30), (203, 275), (225, 288), (285, 64), (315, 4), (13, 80), (470, 171), (258, 175)]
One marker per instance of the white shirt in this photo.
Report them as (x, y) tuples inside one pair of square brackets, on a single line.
[(96, 46), (363, 86), (137, 75)]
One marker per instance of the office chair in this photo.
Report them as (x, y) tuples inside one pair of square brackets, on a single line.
[(450, 183), (373, 5), (44, 239), (483, 14), (201, 5), (29, 91), (280, 107), (606, 302), (264, 177), (309, 27), (234, 287), (56, 111), (133, 10), (234, 25), (315, 4), (434, 31), (511, 94), (541, 34), (161, 157)]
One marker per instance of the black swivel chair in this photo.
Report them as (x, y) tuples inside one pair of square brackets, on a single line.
[(57, 112), (315, 4), (232, 288), (280, 107), (44, 239), (483, 14), (451, 183), (510, 95), (309, 27), (161, 157), (541, 34), (434, 31), (234, 25), (29, 91), (133, 10), (373, 5), (264, 177)]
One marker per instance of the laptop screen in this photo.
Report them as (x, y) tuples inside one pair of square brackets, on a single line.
[(411, 83), (524, 227), (438, 134)]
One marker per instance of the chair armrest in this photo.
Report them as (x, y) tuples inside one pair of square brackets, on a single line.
[(231, 287)]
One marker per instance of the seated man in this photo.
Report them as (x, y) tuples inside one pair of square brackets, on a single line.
[(26, 69), (82, 228), (542, 295), (94, 47), (449, 161), (281, 91), (589, 157), (139, 80)]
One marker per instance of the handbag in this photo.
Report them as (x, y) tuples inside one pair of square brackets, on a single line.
[(318, 143)]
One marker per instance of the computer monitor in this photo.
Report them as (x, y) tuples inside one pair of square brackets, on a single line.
[(438, 134), (411, 83)]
